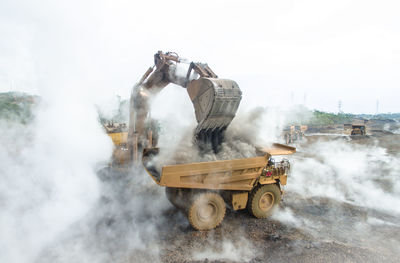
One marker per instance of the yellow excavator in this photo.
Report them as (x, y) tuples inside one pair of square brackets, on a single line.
[(215, 102)]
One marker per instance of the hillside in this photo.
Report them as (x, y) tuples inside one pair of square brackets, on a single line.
[(16, 106)]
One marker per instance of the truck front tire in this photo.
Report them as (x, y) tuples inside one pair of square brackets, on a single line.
[(206, 211), (263, 199)]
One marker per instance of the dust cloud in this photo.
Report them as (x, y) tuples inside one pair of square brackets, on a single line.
[(364, 175), (61, 203), (228, 250), (79, 210), (249, 129), (342, 191), (345, 191), (48, 176), (54, 206)]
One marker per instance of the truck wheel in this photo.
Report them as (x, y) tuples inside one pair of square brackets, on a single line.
[(263, 199), (206, 211)]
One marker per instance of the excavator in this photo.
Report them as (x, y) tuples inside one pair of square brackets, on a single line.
[(215, 101), (202, 190)]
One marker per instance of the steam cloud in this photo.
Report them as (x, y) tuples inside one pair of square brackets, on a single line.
[(48, 176), (365, 175)]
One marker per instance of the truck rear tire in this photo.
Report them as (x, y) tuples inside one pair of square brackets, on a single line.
[(206, 211), (263, 199)]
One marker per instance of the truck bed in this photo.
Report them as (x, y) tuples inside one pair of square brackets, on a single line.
[(237, 174)]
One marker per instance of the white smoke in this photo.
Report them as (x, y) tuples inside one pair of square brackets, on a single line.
[(360, 174), (49, 181), (239, 250), (257, 127), (286, 215)]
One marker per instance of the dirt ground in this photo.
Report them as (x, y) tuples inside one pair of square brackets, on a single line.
[(340, 233), (144, 227)]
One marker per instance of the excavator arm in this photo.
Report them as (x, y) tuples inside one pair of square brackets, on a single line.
[(215, 101)]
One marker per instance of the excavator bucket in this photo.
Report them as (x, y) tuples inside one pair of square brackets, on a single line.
[(215, 102)]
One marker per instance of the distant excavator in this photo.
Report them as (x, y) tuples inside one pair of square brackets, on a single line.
[(215, 101)]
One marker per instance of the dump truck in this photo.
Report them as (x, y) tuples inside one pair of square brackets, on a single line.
[(118, 133), (358, 129), (203, 190)]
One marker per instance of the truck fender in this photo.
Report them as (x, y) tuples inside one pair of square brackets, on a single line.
[(266, 180)]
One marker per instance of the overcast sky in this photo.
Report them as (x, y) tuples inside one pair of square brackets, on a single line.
[(294, 52)]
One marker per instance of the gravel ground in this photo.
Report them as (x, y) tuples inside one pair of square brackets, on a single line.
[(137, 224)]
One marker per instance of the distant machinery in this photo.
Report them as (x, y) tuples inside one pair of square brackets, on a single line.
[(294, 133)]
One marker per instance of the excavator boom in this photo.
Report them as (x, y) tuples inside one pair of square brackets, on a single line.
[(215, 102)]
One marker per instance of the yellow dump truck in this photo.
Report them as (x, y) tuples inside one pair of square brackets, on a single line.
[(358, 129), (203, 189), (355, 129)]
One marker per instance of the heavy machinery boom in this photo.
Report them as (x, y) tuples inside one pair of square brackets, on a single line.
[(215, 101)]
